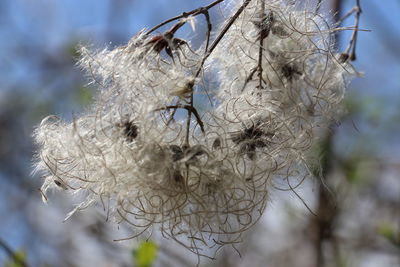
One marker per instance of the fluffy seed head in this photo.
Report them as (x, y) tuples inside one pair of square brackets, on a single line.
[(201, 180)]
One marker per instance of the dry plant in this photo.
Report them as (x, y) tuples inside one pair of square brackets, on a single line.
[(202, 179)]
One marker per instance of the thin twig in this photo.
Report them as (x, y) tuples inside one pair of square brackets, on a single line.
[(249, 77), (189, 119), (353, 41), (190, 109), (194, 12), (225, 29), (261, 48), (201, 10), (347, 15), (318, 7), (215, 43), (209, 28)]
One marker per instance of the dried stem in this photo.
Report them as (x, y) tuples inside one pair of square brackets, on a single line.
[(261, 48), (351, 48), (318, 7), (201, 10), (190, 109), (194, 12), (208, 50), (211, 49)]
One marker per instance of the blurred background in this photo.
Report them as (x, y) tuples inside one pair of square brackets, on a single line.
[(358, 222)]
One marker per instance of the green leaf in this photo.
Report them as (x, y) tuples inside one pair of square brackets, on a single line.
[(388, 231), (352, 171), (20, 257), (84, 96), (146, 254)]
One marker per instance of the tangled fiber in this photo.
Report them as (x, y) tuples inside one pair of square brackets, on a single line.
[(201, 175)]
